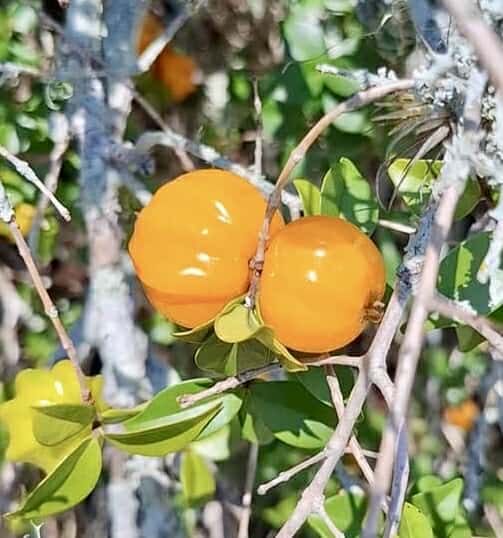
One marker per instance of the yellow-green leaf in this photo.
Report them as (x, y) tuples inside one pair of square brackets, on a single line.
[(236, 323), (165, 435), (54, 424), (198, 482), (71, 481)]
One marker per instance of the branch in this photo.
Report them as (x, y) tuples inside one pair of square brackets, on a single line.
[(209, 155), (7, 215), (359, 100), (251, 469), (230, 383), (456, 169), (482, 37), (458, 312), (24, 169)]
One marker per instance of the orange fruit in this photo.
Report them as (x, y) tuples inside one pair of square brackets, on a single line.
[(321, 275), (463, 415), (192, 244), (175, 70)]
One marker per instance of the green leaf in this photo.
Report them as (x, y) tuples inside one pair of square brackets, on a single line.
[(315, 381), (197, 335), (458, 274), (166, 403), (347, 194), (253, 428), (54, 424), (310, 196), (68, 484), (441, 503), (198, 482), (223, 358), (459, 529), (115, 416), (236, 323), (414, 523), (165, 435), (413, 183), (214, 446), (355, 122), (304, 35), (469, 199), (346, 510), (292, 414)]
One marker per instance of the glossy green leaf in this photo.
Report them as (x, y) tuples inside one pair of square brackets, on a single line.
[(68, 484), (310, 195), (236, 323), (347, 511), (441, 503), (414, 523), (197, 480), (292, 414), (315, 381), (165, 403), (165, 435), (215, 446), (458, 274), (347, 194), (304, 35), (54, 424)]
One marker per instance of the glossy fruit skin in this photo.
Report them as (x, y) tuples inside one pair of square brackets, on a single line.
[(320, 275), (42, 387), (192, 244)]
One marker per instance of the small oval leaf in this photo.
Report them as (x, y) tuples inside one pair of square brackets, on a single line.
[(310, 196), (236, 323)]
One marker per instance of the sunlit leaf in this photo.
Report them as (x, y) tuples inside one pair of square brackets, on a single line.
[(310, 196), (414, 523), (67, 485), (54, 424)]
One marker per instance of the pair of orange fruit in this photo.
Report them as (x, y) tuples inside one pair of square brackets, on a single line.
[(192, 245)]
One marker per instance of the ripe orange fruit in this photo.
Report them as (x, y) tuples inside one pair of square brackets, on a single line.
[(176, 71), (192, 243), (321, 275), (463, 415)]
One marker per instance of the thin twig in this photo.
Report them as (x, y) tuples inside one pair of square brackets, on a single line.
[(24, 169), (359, 100), (51, 183), (396, 226), (494, 519), (257, 102), (354, 445), (230, 383), (251, 469), (458, 312), (50, 309)]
